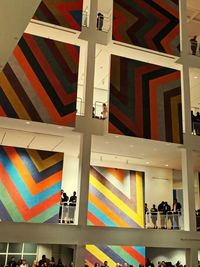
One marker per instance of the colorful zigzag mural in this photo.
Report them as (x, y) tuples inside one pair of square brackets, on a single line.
[(30, 184), (145, 100), (151, 24), (115, 198), (115, 254), (39, 83), (65, 13)]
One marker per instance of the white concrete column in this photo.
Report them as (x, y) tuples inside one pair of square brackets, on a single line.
[(91, 54), (185, 71), (79, 256), (84, 178), (192, 257), (188, 191)]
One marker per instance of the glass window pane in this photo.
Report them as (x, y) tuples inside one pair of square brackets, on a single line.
[(15, 248), (30, 259), (30, 248), (3, 247), (2, 260)]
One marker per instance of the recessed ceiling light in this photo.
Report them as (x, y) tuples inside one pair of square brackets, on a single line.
[(195, 77), (60, 127), (28, 122), (147, 162), (166, 165)]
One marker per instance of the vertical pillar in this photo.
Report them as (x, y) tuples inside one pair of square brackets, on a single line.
[(84, 178), (185, 71), (192, 257), (91, 54), (79, 256), (188, 191)]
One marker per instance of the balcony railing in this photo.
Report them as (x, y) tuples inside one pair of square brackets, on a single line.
[(67, 213), (159, 220)]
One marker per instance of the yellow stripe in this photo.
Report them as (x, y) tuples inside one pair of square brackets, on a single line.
[(13, 98), (139, 197), (116, 201), (100, 255), (42, 164)]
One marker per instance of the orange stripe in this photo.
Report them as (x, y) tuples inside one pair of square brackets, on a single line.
[(26, 176), (108, 212)]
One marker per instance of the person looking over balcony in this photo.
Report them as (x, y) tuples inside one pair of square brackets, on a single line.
[(194, 43), (104, 111), (154, 216), (176, 208), (100, 18)]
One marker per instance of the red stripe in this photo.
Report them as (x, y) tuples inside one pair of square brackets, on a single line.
[(94, 220), (136, 255), (2, 112)]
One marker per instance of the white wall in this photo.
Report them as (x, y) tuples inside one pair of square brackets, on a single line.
[(70, 174), (70, 178), (159, 254), (44, 250)]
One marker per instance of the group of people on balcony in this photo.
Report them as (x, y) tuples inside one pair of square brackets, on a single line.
[(166, 213), (67, 207), (195, 123), (44, 262)]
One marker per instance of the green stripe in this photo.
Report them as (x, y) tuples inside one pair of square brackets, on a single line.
[(47, 214), (124, 255), (10, 205)]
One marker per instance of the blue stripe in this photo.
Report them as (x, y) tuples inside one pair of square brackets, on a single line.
[(101, 216)]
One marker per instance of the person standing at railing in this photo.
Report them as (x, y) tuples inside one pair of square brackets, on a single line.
[(194, 43), (161, 213), (72, 206), (64, 204), (154, 216), (197, 124), (100, 18), (176, 208), (104, 111)]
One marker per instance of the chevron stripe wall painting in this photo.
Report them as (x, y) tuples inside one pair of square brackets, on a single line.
[(145, 100), (116, 198), (65, 13), (39, 82), (115, 254), (30, 184), (152, 24)]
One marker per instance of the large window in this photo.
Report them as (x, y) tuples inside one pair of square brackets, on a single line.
[(19, 251)]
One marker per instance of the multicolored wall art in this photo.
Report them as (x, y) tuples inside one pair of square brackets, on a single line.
[(145, 100), (115, 254), (116, 198), (151, 24), (65, 13), (39, 82), (30, 184)]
